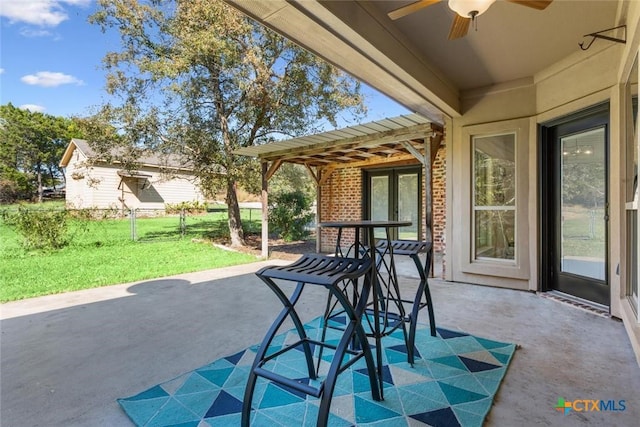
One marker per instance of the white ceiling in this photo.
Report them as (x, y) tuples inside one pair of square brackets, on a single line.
[(411, 59), (511, 41)]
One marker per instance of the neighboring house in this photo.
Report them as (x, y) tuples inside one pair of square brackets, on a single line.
[(540, 124), (93, 183)]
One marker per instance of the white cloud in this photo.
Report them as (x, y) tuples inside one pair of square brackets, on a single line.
[(50, 79), (32, 107), (46, 13), (1, 70), (32, 32)]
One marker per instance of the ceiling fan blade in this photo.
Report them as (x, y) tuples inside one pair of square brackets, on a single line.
[(459, 27), (410, 8), (535, 4)]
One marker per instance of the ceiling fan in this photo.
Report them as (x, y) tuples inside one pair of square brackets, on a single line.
[(466, 11)]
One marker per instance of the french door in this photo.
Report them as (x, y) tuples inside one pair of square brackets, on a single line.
[(395, 195), (574, 202)]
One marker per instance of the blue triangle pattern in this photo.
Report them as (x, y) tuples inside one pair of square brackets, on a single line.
[(152, 393), (477, 365), (444, 417), (295, 392), (198, 403), (453, 361), (504, 358), (223, 405), (234, 359), (401, 348), (141, 411), (456, 395), (216, 376), (277, 396), (173, 413), (490, 344), (386, 374), (368, 411), (447, 334), (442, 388), (195, 383)]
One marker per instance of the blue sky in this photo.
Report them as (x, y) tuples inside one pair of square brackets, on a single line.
[(51, 57)]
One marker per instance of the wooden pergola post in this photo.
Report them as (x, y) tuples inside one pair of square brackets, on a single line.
[(428, 189), (264, 199)]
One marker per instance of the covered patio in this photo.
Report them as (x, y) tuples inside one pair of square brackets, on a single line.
[(67, 358), (511, 96)]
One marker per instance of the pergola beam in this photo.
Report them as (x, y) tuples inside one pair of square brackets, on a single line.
[(275, 165), (363, 141), (313, 174)]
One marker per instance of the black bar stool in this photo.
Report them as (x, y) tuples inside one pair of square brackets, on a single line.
[(413, 249), (332, 273)]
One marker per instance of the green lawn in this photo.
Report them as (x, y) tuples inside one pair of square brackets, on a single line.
[(583, 232), (102, 253)]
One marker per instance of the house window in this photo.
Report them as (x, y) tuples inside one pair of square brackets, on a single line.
[(494, 197)]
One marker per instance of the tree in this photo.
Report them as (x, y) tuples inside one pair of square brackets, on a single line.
[(293, 178), (198, 78), (32, 145)]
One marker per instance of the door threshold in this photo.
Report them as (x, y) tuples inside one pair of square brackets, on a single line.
[(573, 301)]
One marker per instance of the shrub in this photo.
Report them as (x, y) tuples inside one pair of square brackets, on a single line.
[(9, 192), (41, 229), (190, 207), (289, 214)]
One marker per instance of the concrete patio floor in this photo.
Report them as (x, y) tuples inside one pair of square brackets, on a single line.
[(66, 358)]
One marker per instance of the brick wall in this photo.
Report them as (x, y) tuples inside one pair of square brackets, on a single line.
[(439, 199), (340, 200)]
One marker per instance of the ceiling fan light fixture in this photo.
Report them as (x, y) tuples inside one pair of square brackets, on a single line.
[(470, 8)]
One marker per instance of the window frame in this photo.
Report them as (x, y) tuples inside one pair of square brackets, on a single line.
[(524, 230), (476, 208)]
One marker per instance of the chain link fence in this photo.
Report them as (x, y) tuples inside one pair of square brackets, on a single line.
[(104, 226)]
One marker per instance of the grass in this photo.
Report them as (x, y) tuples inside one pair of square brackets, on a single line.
[(583, 232), (102, 253)]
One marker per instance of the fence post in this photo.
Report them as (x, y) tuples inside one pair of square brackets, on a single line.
[(183, 223), (132, 216)]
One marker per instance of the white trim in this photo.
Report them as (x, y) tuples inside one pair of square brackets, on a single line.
[(469, 267)]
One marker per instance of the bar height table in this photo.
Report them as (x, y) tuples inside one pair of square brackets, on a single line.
[(369, 227)]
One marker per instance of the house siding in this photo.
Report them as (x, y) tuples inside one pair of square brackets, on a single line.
[(100, 187)]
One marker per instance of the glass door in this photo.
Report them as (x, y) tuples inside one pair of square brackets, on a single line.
[(575, 196), (408, 203), (395, 194), (380, 201)]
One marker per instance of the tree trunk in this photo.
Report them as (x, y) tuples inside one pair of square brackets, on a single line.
[(39, 178), (233, 208)]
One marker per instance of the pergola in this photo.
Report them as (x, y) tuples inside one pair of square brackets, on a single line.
[(377, 143)]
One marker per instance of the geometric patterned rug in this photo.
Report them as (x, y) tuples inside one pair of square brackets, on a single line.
[(452, 383)]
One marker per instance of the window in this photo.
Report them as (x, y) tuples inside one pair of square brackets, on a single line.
[(494, 197)]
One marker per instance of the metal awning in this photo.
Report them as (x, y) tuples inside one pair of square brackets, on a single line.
[(367, 142), (136, 175), (123, 174)]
